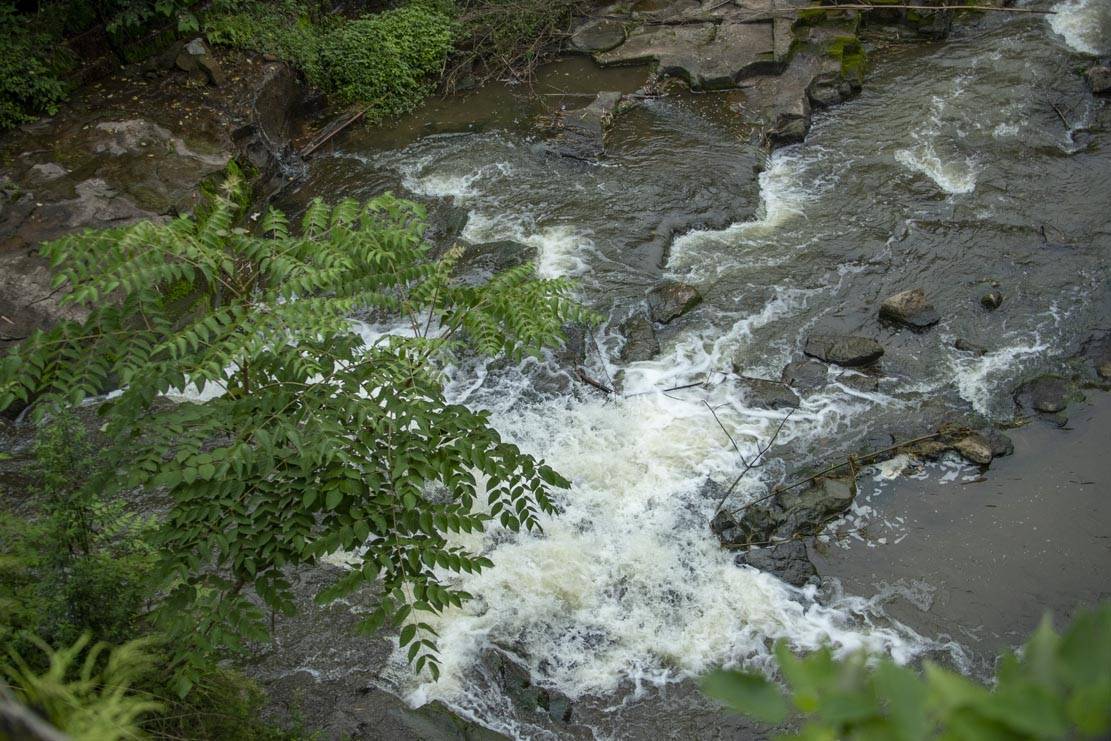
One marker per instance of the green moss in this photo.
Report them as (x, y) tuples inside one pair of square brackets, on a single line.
[(848, 50)]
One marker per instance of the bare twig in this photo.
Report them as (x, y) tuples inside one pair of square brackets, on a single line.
[(592, 382), (749, 466)]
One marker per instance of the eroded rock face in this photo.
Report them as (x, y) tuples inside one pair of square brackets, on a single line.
[(671, 300), (707, 55), (580, 134), (640, 339), (910, 308), (845, 350)]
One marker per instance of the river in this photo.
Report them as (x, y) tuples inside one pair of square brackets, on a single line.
[(981, 162)]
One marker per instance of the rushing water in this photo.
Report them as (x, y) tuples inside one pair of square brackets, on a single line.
[(952, 171)]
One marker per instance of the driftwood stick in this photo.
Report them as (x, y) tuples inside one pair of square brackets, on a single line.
[(313, 146), (585, 378)]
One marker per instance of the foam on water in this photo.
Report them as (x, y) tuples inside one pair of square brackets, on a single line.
[(1085, 25)]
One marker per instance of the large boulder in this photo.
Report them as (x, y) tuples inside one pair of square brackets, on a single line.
[(789, 561), (671, 300), (910, 308), (792, 513), (640, 339), (845, 350), (766, 394)]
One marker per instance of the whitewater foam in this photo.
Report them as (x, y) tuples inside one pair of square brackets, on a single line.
[(1085, 25)]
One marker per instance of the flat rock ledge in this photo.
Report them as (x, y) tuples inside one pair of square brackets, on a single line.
[(845, 350)]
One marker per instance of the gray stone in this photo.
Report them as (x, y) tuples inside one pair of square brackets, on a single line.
[(671, 300), (910, 308), (991, 300), (1099, 79), (488, 258), (765, 394), (47, 171), (789, 561), (640, 339), (598, 36), (1000, 444), (580, 133), (846, 350), (516, 682), (804, 375), (706, 55)]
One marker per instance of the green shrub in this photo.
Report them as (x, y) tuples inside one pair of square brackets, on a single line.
[(386, 59), (89, 696), (31, 65), (288, 29), (1056, 687)]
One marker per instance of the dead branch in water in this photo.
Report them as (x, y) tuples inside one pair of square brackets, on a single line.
[(748, 466), (592, 382)]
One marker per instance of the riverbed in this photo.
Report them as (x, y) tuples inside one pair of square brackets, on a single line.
[(974, 165)]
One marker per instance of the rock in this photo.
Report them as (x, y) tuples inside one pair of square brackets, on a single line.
[(828, 90), (640, 339), (929, 450), (1096, 354), (991, 300), (859, 381), (910, 308), (572, 354), (47, 171), (580, 133), (671, 300), (791, 513), (845, 350), (1099, 79), (966, 346), (516, 683), (804, 375), (789, 561), (488, 258), (196, 56), (598, 36), (790, 126), (975, 448), (765, 394), (212, 70), (707, 55), (1045, 394)]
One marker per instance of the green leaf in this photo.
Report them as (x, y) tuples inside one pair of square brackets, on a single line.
[(749, 694)]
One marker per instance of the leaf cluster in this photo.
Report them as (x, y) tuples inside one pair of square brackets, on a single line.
[(315, 441), (1055, 687)]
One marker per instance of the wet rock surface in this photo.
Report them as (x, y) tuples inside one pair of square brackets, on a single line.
[(991, 300), (805, 375), (910, 308), (844, 350), (671, 300), (787, 515), (789, 561), (641, 342), (1048, 396), (767, 394), (580, 134), (1099, 79), (598, 36)]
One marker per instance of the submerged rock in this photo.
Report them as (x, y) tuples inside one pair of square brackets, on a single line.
[(910, 308), (789, 561), (580, 133), (1047, 395), (846, 350), (640, 339), (487, 258), (766, 394), (991, 300), (804, 375), (515, 682), (671, 300)]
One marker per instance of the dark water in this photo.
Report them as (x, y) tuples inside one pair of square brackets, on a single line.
[(951, 172)]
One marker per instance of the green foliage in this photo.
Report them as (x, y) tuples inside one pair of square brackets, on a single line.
[(1056, 687), (288, 29), (387, 57), (31, 68), (90, 697), (83, 564), (319, 443)]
